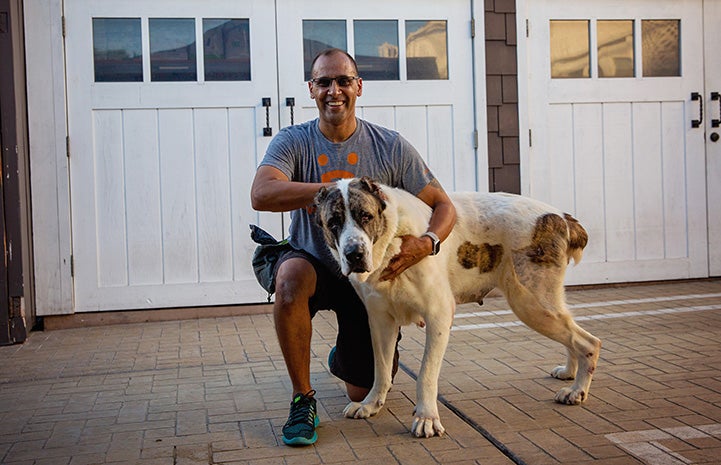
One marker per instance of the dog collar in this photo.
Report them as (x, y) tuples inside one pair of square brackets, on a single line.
[(436, 242)]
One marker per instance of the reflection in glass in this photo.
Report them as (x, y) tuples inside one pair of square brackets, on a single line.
[(426, 50), (319, 35), (615, 48), (376, 49), (117, 50), (172, 49), (661, 48), (226, 49), (570, 55)]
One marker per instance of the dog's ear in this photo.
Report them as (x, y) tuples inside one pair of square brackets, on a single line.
[(319, 198), (374, 188)]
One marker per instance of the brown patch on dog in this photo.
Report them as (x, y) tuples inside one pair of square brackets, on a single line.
[(578, 236), (485, 256), (548, 246)]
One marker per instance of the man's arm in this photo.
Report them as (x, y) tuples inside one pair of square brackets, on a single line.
[(273, 191), (414, 249)]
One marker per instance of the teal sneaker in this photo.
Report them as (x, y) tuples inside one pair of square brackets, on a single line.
[(299, 430), (331, 356)]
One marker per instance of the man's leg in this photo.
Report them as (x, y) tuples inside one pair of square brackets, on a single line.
[(295, 285)]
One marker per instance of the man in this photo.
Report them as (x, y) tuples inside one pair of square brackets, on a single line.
[(299, 161)]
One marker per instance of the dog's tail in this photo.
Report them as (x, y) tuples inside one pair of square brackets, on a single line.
[(577, 239)]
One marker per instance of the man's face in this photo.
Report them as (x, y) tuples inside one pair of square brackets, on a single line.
[(335, 102)]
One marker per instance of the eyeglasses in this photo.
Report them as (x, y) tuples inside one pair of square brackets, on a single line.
[(342, 81)]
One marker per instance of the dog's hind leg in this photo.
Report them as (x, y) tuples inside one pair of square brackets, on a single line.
[(540, 304), (384, 333)]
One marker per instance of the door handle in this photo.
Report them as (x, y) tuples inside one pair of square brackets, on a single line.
[(290, 102), (695, 123), (267, 130), (715, 123)]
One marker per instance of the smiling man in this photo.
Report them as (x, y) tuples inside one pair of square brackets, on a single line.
[(299, 161)]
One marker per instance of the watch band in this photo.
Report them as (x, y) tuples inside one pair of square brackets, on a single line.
[(436, 241)]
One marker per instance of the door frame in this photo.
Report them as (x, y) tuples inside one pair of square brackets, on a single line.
[(712, 65), (12, 281)]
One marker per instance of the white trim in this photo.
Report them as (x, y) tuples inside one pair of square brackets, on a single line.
[(523, 83), (481, 102), (48, 161)]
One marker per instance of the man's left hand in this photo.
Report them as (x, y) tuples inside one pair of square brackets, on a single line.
[(413, 250)]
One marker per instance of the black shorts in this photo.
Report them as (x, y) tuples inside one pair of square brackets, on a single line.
[(353, 361)]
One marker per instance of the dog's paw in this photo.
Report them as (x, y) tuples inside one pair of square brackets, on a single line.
[(561, 372), (570, 396), (427, 427), (360, 410)]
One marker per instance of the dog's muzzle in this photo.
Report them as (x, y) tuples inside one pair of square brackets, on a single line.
[(354, 255)]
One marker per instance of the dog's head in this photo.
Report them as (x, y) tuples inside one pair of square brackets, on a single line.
[(350, 213)]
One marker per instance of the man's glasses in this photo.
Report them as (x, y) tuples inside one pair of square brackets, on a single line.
[(342, 81)]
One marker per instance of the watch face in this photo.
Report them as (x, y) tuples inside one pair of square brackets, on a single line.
[(436, 247)]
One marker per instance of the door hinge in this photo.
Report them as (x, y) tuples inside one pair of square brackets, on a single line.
[(72, 266), (62, 19), (530, 138), (528, 29), (475, 138), (473, 28), (67, 146)]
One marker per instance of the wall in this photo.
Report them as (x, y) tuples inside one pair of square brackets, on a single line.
[(502, 95)]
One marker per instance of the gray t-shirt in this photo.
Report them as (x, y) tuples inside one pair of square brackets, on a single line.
[(303, 154)]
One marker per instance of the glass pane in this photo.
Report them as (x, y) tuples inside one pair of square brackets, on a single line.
[(615, 48), (172, 49), (570, 54), (376, 49), (319, 35), (661, 48), (226, 49), (117, 50), (426, 49)]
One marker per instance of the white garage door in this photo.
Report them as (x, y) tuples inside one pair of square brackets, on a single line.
[(614, 89), (172, 104)]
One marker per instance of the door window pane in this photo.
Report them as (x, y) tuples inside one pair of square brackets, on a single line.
[(570, 57), (376, 49), (117, 50), (426, 50), (615, 48), (319, 35), (226, 49), (172, 49), (661, 48)]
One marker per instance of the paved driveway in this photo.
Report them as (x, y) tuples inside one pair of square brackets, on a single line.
[(215, 391)]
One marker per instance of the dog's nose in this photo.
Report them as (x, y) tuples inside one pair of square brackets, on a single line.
[(354, 255)]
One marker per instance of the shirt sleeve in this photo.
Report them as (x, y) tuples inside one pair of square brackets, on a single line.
[(415, 174), (281, 153)]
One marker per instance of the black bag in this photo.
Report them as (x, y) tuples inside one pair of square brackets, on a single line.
[(266, 257)]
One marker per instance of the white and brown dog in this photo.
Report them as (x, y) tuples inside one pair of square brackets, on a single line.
[(505, 241)]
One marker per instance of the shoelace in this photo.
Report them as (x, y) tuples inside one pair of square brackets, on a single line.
[(303, 410)]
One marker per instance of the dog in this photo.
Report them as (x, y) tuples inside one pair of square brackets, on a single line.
[(505, 241)]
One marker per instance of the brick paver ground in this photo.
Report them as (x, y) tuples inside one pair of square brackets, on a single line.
[(215, 391)]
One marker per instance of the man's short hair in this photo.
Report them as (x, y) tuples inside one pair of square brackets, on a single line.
[(332, 51)]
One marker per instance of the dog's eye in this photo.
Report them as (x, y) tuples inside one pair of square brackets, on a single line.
[(365, 218), (334, 223)]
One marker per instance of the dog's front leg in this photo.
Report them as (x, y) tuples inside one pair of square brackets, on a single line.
[(426, 420), (384, 333)]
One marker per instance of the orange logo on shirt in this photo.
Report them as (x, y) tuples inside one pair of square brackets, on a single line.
[(334, 175)]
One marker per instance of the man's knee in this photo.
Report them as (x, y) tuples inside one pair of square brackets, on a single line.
[(356, 393), (295, 280)]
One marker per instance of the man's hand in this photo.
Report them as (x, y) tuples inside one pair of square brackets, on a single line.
[(413, 250)]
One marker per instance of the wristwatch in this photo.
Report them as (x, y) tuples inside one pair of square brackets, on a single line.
[(436, 242)]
